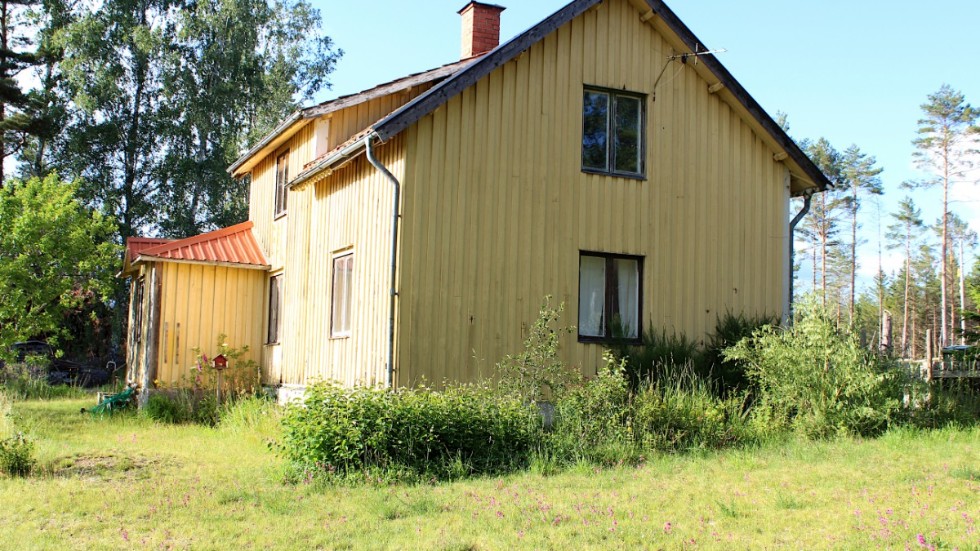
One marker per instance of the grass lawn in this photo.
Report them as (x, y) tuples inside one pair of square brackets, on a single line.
[(126, 482)]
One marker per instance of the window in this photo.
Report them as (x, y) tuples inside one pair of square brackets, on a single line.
[(137, 306), (612, 133), (340, 304), (282, 178), (275, 302), (609, 296)]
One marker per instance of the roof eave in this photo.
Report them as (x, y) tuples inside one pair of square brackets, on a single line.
[(282, 131), (331, 162)]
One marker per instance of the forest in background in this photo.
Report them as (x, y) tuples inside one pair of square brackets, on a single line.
[(935, 291), (140, 105)]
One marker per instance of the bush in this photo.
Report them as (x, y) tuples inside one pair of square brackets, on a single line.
[(817, 379), (655, 357), (537, 372), (408, 434), (169, 407), (17, 455), (728, 374), (683, 412), (592, 420)]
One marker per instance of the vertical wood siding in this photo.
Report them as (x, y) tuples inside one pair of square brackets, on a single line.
[(347, 211), (200, 302), (286, 239), (496, 208)]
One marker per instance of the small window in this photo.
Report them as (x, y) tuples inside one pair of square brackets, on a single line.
[(138, 293), (340, 307), (609, 297), (282, 178), (275, 302), (612, 133)]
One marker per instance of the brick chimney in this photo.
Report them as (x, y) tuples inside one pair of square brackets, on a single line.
[(481, 28)]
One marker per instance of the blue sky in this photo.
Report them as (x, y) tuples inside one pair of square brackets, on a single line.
[(851, 71)]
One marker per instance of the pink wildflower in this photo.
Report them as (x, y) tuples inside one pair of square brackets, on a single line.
[(668, 527)]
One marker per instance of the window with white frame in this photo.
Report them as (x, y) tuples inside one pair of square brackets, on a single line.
[(340, 302), (282, 178), (275, 303), (609, 296), (612, 132)]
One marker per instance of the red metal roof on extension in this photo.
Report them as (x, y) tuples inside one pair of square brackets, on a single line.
[(136, 245), (232, 245)]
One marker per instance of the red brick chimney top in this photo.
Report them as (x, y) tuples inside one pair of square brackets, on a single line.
[(481, 28)]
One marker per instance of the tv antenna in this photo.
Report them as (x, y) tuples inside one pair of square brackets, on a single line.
[(683, 59)]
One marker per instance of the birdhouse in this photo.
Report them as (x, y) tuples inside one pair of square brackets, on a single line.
[(220, 362)]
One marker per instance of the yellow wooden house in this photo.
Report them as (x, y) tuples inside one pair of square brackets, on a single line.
[(410, 232)]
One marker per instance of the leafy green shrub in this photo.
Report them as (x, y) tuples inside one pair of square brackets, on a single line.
[(728, 374), (592, 419), (408, 433), (818, 380), (537, 372), (17, 455)]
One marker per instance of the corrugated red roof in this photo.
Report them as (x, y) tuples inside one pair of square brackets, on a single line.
[(232, 245), (136, 245)]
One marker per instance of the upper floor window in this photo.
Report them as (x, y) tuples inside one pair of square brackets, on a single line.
[(609, 297), (282, 178), (612, 132)]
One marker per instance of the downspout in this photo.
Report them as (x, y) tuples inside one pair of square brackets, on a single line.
[(390, 374), (792, 228)]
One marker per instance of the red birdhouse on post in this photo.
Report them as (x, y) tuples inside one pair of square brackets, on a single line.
[(220, 362)]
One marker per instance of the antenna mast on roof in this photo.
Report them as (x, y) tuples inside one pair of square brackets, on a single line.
[(683, 57)]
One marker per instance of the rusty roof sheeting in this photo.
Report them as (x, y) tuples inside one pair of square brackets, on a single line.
[(232, 245)]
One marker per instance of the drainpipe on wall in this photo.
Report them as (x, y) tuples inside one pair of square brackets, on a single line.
[(792, 228), (390, 374)]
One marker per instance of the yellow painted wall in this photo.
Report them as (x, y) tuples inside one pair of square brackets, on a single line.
[(496, 208), (284, 239), (347, 211), (200, 302)]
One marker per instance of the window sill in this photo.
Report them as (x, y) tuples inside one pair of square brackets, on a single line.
[(585, 339), (277, 217), (627, 176), (339, 337), (269, 344)]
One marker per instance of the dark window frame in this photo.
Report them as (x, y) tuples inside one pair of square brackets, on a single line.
[(344, 333), (280, 193), (273, 332), (610, 169), (609, 298)]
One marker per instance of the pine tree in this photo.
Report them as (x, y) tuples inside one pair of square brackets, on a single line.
[(861, 176), (902, 234), (945, 143)]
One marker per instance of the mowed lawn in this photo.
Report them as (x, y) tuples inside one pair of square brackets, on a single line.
[(126, 483)]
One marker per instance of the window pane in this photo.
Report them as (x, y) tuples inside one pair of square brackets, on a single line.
[(627, 296), (341, 300), (274, 300), (592, 296), (627, 148), (595, 127)]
